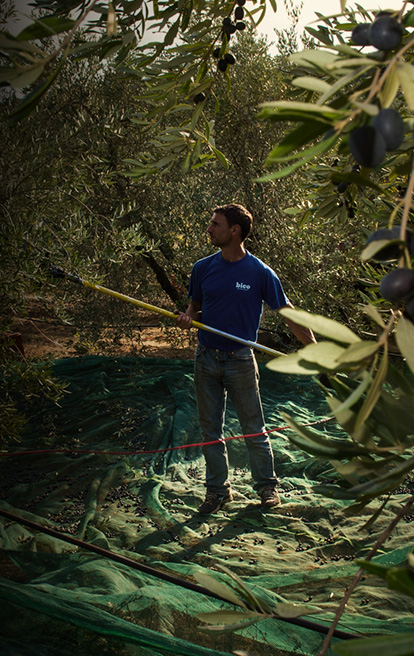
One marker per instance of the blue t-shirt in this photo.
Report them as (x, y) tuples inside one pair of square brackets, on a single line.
[(232, 295)]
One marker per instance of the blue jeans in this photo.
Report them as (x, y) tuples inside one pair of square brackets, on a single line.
[(234, 373)]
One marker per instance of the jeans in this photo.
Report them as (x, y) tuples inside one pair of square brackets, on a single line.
[(216, 374)]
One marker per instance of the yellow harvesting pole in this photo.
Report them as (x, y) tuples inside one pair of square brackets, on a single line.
[(59, 273)]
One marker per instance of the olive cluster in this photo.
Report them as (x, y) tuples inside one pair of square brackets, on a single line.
[(342, 185), (370, 143), (229, 27), (385, 33), (398, 285)]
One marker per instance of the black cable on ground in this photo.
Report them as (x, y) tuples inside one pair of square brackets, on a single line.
[(105, 553)]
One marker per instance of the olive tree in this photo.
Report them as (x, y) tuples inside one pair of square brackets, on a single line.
[(360, 84)]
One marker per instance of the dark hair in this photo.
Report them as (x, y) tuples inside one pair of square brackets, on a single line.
[(237, 215)]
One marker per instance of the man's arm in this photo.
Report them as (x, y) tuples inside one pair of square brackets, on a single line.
[(305, 335), (192, 313)]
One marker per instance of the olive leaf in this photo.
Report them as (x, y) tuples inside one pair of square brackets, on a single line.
[(321, 325), (401, 579), (397, 578), (290, 610), (324, 354), (343, 81), (390, 88), (376, 246), (333, 492), (34, 97), (318, 58), (45, 27), (374, 392), (355, 395), (396, 645), (405, 74), (7, 42), (295, 139), (405, 340), (347, 419), (322, 146), (228, 617), (312, 84), (316, 444), (293, 111), (220, 589), (385, 482), (293, 363), (253, 601), (344, 63), (27, 77), (372, 311), (358, 352), (327, 208)]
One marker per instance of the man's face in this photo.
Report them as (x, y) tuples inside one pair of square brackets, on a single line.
[(219, 231)]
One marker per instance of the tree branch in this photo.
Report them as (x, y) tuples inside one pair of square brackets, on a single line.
[(360, 572)]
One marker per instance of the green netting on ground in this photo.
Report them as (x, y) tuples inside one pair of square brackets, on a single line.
[(56, 598)]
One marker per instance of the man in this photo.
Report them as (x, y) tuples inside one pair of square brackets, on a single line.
[(227, 291)]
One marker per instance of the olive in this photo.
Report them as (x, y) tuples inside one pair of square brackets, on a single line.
[(230, 59), (222, 65), (385, 33), (239, 13), (390, 252), (240, 25), (360, 34), (409, 308), (397, 285), (342, 186), (216, 53), (390, 125), (231, 28), (198, 98), (367, 146), (240, 2)]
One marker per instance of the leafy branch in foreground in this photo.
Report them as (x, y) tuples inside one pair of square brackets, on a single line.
[(370, 397), (347, 90), (253, 607), (179, 51), (370, 386)]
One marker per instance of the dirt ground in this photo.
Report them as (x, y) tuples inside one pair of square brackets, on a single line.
[(41, 336)]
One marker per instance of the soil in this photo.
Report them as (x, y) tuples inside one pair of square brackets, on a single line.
[(40, 336)]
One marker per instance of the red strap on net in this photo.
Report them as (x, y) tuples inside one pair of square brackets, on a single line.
[(151, 452)]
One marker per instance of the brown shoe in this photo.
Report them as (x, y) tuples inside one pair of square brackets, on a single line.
[(270, 498), (213, 502)]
